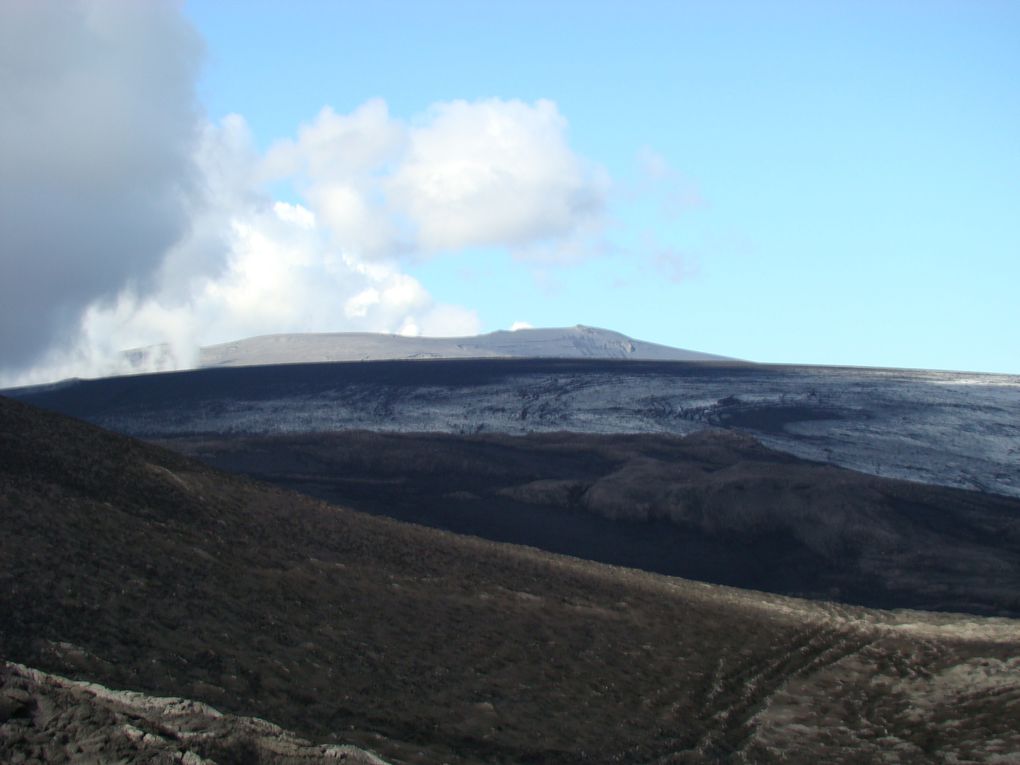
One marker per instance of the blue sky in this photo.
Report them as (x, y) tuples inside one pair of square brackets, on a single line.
[(856, 165), (809, 182)]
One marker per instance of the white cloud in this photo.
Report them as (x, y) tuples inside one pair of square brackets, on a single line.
[(494, 173), (520, 325), (353, 222), (296, 214), (280, 273), (284, 274), (445, 320), (97, 178), (464, 174), (338, 147), (129, 221)]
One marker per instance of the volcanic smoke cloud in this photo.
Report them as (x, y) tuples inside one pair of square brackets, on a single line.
[(129, 219)]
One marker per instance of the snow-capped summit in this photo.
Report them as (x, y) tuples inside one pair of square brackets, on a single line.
[(568, 343)]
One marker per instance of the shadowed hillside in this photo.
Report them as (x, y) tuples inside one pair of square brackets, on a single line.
[(131, 566), (714, 506)]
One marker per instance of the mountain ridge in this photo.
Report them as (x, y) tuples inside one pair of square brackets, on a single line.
[(577, 342), (567, 342)]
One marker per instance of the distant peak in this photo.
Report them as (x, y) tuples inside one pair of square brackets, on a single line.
[(579, 341)]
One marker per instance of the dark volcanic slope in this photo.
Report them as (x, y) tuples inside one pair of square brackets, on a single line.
[(714, 506), (131, 566), (946, 428)]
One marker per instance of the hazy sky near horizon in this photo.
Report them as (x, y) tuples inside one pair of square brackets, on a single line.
[(813, 182)]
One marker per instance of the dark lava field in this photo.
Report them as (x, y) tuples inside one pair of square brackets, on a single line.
[(947, 428), (715, 506)]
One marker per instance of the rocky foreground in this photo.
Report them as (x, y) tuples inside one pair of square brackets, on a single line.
[(48, 718)]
